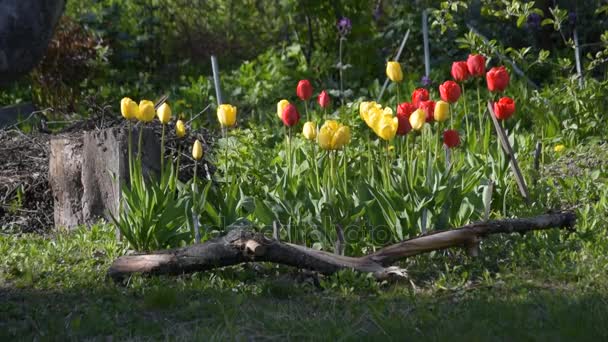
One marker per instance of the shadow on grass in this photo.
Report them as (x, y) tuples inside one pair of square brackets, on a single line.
[(174, 308)]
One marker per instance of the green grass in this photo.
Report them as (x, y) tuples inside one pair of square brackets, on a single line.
[(543, 286)]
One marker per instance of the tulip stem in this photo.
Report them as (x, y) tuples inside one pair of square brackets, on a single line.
[(341, 77), (316, 166), (306, 109), (162, 152), (479, 113), (344, 161), (225, 135), (139, 143), (289, 152), (197, 234), (466, 109), (130, 151)]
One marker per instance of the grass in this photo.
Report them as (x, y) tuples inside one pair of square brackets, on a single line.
[(542, 286)]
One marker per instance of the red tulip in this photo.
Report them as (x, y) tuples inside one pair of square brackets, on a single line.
[(419, 95), (449, 91), (324, 99), (406, 109), (460, 71), (451, 138), (404, 126), (497, 79), (304, 90), (290, 115), (429, 108), (476, 65), (504, 108)]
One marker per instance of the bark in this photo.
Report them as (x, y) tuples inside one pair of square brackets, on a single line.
[(242, 245)]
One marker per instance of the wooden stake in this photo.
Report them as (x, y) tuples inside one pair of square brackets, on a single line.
[(425, 38), (216, 80), (506, 146)]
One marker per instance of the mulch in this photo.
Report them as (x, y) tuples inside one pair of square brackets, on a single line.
[(26, 201)]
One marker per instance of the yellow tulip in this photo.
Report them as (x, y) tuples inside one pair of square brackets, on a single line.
[(365, 107), (340, 138), (180, 129), (559, 148), (333, 136), (129, 108), (164, 113), (197, 150), (310, 130), (393, 71), (417, 119), (146, 111), (442, 111), (226, 115), (281, 107), (386, 127)]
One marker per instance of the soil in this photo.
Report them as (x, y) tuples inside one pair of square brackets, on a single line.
[(26, 202)]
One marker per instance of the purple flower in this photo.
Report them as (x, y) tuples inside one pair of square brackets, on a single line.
[(534, 21), (426, 81), (344, 26), (572, 18)]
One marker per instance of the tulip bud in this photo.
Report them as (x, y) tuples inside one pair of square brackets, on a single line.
[(226, 115), (324, 99), (281, 107), (559, 148), (164, 113), (180, 129), (326, 134), (386, 128), (309, 131), (417, 119), (497, 79), (394, 72), (476, 64), (419, 95), (129, 108), (197, 150), (340, 138), (449, 91), (442, 111), (404, 125), (504, 108), (304, 90), (451, 138), (146, 111), (460, 71), (406, 109), (290, 115), (333, 136)]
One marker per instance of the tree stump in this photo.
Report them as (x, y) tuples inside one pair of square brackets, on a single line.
[(87, 171)]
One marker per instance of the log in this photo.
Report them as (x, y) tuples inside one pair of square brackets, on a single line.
[(235, 248), (88, 169)]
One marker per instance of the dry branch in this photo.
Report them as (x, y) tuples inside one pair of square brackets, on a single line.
[(242, 245)]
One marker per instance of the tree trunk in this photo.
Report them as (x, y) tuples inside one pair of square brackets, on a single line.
[(242, 245), (87, 171)]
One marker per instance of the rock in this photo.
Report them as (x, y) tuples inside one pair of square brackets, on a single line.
[(26, 27)]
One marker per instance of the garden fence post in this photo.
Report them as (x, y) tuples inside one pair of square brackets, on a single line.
[(425, 38), (577, 56), (216, 80), (397, 57), (506, 146)]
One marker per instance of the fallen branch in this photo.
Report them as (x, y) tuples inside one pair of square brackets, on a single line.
[(242, 245)]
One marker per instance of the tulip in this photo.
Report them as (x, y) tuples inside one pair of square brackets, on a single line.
[(476, 65), (290, 115), (226, 115), (417, 119), (146, 111), (449, 91), (497, 79), (304, 90), (281, 107), (460, 71), (333, 136), (386, 127), (404, 126), (309, 131), (394, 72), (442, 111), (197, 150), (504, 108), (164, 113), (180, 129), (365, 108), (406, 109), (324, 99), (559, 148), (451, 138), (129, 108), (419, 95), (429, 109)]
